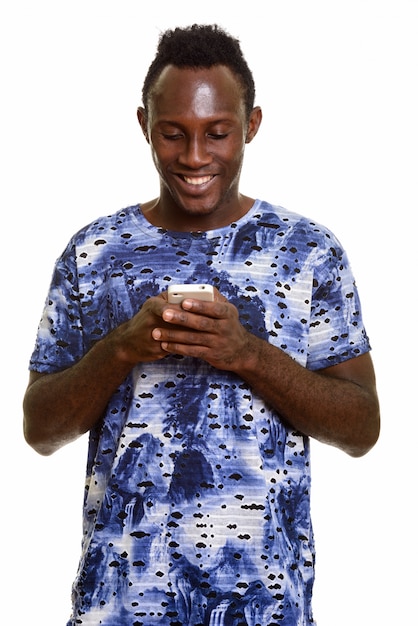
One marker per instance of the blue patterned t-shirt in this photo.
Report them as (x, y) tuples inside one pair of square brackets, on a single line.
[(197, 501)]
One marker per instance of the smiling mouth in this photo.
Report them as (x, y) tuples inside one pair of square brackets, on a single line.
[(197, 180)]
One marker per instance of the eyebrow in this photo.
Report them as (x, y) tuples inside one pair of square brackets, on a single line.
[(215, 120)]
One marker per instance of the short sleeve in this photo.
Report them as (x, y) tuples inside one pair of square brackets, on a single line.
[(59, 342), (337, 332)]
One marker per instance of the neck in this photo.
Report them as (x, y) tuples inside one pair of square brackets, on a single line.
[(176, 219)]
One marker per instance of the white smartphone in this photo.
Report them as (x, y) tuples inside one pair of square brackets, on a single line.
[(177, 293)]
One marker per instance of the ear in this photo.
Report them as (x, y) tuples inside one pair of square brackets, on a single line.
[(253, 124), (143, 121)]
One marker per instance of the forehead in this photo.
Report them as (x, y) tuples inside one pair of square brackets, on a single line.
[(205, 92)]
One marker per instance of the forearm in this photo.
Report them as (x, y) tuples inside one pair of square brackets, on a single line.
[(338, 405), (335, 410), (60, 407)]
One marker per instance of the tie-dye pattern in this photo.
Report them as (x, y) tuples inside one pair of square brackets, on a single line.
[(197, 501)]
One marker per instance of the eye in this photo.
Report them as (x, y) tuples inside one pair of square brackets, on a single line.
[(217, 136), (172, 136)]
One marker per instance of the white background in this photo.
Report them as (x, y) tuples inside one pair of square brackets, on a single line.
[(337, 84)]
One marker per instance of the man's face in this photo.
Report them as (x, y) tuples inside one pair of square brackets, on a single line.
[(197, 130)]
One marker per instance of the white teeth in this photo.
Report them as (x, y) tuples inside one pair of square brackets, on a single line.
[(197, 181)]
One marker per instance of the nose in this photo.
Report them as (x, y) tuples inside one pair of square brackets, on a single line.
[(195, 153)]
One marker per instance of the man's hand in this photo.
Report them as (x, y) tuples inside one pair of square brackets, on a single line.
[(206, 330), (337, 405), (133, 339)]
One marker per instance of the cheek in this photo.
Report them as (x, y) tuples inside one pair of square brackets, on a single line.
[(235, 156), (163, 154), (157, 158)]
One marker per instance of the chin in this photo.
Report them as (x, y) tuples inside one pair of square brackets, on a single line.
[(197, 208)]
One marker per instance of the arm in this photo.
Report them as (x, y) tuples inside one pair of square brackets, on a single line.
[(338, 405), (60, 407)]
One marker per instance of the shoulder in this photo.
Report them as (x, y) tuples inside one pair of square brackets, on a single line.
[(100, 236), (118, 224), (295, 228)]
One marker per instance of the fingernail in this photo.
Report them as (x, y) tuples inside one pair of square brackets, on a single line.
[(168, 315)]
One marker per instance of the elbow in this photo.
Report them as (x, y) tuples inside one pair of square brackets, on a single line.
[(358, 450), (368, 436), (34, 431), (35, 441)]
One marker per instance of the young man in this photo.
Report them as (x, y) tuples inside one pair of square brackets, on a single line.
[(198, 480)]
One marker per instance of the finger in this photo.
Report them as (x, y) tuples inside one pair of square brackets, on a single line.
[(218, 309), (179, 342), (195, 351), (182, 337), (191, 320)]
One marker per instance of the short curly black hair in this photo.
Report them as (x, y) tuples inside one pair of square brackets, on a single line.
[(200, 46)]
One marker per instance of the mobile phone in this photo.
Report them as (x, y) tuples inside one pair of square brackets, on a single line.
[(177, 293)]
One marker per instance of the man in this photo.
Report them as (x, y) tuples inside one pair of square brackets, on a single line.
[(197, 498)]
